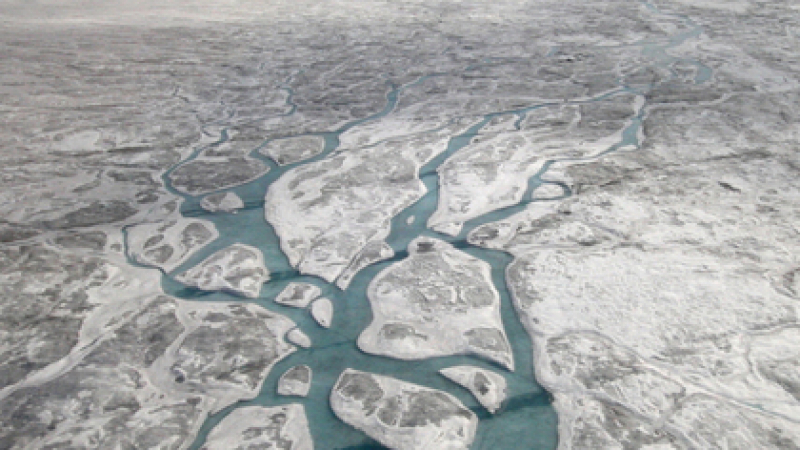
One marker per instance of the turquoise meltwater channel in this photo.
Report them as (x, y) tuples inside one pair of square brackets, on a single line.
[(527, 419)]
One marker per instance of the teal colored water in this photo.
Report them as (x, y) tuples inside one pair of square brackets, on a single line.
[(527, 419), (334, 349)]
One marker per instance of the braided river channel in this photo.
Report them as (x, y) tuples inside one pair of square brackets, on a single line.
[(527, 419)]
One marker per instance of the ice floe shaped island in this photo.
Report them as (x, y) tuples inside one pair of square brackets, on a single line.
[(322, 311), (297, 337), (298, 295), (295, 381), (488, 387), (238, 269), (437, 302), (222, 202), (402, 415)]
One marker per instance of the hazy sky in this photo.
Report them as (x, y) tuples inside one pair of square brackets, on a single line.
[(136, 11)]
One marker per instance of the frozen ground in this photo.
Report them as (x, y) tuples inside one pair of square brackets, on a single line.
[(190, 189)]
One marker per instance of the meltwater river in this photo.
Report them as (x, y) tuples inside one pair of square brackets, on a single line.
[(527, 419)]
